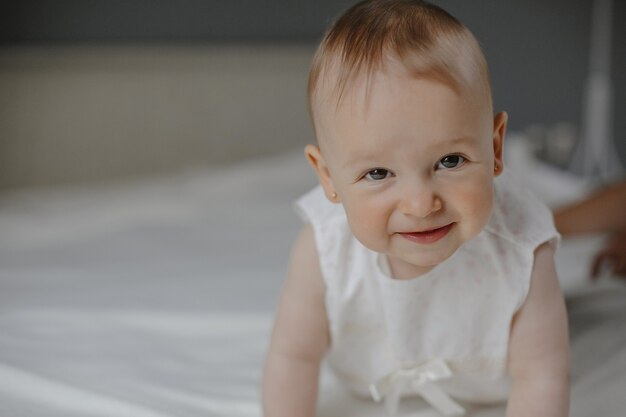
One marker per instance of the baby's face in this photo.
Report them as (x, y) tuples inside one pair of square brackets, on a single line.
[(413, 165)]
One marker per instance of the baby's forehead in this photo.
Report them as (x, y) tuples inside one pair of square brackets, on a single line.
[(354, 95)]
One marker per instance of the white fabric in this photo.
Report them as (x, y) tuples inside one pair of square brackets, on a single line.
[(420, 380), (134, 299), (459, 312)]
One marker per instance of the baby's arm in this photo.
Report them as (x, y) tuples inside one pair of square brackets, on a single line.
[(300, 337), (539, 347)]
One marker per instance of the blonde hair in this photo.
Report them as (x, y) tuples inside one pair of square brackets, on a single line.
[(427, 40)]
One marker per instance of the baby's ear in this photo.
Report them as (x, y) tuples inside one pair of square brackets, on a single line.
[(499, 131), (317, 161)]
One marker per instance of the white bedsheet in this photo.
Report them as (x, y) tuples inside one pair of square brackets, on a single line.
[(155, 298)]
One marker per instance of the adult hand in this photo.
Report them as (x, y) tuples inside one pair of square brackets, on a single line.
[(612, 256)]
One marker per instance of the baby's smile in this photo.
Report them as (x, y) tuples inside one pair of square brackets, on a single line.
[(426, 237)]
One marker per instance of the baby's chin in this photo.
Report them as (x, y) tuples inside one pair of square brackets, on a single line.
[(408, 264), (413, 267), (419, 259)]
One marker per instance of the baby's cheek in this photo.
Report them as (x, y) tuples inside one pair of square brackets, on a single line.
[(477, 203), (367, 224)]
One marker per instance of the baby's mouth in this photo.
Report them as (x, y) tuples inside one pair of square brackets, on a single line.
[(427, 236)]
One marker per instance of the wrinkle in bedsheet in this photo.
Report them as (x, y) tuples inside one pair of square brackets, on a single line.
[(32, 388), (132, 363)]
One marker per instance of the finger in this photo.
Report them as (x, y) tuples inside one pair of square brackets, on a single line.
[(598, 262), (619, 266)]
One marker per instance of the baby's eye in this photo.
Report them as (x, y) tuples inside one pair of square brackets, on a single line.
[(377, 174), (450, 161)]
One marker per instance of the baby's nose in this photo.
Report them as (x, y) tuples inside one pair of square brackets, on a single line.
[(419, 201)]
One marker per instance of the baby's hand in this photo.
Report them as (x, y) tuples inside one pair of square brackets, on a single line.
[(612, 257)]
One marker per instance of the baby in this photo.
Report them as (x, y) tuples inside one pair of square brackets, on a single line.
[(418, 271)]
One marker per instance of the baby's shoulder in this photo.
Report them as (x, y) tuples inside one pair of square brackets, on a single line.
[(334, 241), (518, 216)]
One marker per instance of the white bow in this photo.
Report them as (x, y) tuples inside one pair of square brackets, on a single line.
[(418, 379)]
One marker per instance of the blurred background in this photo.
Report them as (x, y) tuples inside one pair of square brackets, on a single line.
[(96, 90)]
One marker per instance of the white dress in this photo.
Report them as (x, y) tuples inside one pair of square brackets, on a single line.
[(443, 335)]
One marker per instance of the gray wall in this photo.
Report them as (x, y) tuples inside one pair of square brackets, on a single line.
[(537, 49)]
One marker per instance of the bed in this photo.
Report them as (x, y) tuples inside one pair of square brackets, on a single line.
[(154, 297)]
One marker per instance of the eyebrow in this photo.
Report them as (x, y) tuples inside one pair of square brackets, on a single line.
[(371, 156), (456, 141), (460, 140)]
